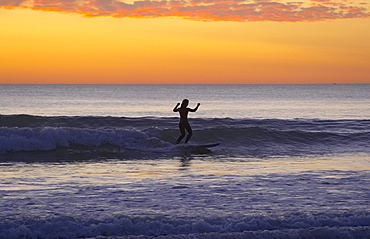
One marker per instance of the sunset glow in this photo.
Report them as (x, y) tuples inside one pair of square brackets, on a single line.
[(201, 41)]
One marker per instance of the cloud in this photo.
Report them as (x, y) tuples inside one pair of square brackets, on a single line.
[(205, 10), (10, 3)]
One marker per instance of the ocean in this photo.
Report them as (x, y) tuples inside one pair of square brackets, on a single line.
[(100, 161)]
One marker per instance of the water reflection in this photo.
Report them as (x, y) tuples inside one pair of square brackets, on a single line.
[(185, 162)]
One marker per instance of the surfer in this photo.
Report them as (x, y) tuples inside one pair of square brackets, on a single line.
[(184, 123)]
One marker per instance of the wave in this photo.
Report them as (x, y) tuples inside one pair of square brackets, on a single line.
[(296, 225), (151, 136)]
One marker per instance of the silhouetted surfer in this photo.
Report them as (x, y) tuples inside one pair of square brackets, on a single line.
[(184, 123)]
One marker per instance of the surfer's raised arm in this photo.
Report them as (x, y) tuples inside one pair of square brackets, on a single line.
[(195, 109), (175, 109)]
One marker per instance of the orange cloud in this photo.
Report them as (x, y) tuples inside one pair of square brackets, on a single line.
[(206, 10)]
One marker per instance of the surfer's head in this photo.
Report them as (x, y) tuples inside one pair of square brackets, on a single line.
[(184, 103)]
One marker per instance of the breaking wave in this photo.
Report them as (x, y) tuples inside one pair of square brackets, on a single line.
[(300, 225), (153, 137)]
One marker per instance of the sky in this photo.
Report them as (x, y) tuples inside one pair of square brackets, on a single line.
[(184, 42)]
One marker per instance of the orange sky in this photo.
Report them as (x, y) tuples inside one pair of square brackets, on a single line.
[(174, 42)]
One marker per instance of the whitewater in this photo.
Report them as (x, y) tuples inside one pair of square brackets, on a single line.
[(100, 161)]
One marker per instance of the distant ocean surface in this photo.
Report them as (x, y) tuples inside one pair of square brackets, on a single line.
[(218, 101), (99, 161)]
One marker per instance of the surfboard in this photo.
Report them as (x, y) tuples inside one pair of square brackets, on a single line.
[(207, 145), (195, 148)]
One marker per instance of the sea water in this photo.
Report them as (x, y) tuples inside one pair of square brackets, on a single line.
[(99, 161)]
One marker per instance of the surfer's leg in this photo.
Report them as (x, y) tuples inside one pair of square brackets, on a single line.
[(182, 130), (190, 133)]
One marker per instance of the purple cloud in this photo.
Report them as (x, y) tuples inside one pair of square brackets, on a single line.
[(206, 10)]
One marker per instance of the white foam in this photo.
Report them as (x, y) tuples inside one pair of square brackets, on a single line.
[(228, 199), (67, 227), (48, 138)]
